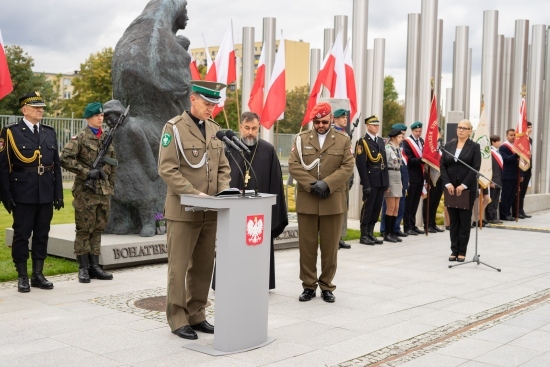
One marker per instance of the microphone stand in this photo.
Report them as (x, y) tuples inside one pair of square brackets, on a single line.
[(228, 151), (478, 175)]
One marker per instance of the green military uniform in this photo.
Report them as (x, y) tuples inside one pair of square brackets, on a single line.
[(317, 216), (190, 163), (91, 210)]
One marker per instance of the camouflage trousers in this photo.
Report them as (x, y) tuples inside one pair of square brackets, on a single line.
[(91, 217)]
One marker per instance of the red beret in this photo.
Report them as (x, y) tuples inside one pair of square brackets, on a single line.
[(320, 110)]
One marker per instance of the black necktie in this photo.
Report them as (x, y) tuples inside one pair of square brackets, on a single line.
[(35, 128)]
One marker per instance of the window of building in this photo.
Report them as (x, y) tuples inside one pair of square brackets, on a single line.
[(66, 81), (67, 95)]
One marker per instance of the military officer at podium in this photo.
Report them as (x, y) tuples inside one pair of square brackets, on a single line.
[(370, 159), (31, 187), (191, 161), (321, 162)]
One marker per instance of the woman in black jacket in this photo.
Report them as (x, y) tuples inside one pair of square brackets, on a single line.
[(457, 178)]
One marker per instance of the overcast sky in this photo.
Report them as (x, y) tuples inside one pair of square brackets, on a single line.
[(61, 34)]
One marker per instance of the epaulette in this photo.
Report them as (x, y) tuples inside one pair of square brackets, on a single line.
[(304, 132), (10, 125), (214, 122), (341, 132), (174, 120), (48, 126)]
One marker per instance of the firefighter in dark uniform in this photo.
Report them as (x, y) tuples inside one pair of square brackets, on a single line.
[(191, 161), (321, 161), (31, 187), (370, 159)]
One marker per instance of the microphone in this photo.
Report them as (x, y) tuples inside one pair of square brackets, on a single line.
[(231, 135), (220, 135)]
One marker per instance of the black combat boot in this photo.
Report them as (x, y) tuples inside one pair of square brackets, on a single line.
[(37, 279), (23, 282), (371, 235), (95, 271), (83, 276), (365, 239)]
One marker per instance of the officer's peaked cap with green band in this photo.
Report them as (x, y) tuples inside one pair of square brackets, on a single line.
[(209, 91)]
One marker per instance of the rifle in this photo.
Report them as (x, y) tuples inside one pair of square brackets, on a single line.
[(355, 125), (102, 155)]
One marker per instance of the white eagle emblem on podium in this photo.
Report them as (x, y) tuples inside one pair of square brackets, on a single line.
[(254, 230)]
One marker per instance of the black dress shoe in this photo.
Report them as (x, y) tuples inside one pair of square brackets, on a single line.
[(400, 234), (365, 240), (328, 296), (526, 216), (389, 238), (396, 237), (510, 218), (38, 280), (186, 332), (204, 326), (375, 239), (521, 216), (411, 232), (460, 258), (495, 221), (431, 230), (448, 228), (417, 230), (23, 285), (307, 295), (438, 229), (342, 244)]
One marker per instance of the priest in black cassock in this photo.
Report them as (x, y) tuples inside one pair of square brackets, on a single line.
[(270, 178)]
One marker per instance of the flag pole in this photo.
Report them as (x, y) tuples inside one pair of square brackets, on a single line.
[(237, 98), (226, 120), (429, 178)]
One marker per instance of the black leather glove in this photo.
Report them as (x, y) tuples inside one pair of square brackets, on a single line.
[(366, 193), (320, 187), (58, 204), (351, 181), (96, 173), (9, 204)]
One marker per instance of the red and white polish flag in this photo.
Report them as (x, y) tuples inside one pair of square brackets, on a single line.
[(256, 100), (6, 86), (275, 102)]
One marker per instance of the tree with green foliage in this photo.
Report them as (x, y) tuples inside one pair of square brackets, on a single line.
[(296, 103), (394, 110), (24, 81), (93, 83)]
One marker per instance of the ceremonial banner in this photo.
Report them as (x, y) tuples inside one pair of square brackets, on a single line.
[(481, 136), (195, 75), (522, 146), (430, 152)]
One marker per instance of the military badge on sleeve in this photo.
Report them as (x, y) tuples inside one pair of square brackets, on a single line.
[(2, 144), (166, 139), (359, 149)]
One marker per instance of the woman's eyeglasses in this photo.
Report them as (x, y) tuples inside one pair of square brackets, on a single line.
[(462, 128)]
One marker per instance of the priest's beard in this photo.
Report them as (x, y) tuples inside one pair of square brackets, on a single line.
[(250, 141)]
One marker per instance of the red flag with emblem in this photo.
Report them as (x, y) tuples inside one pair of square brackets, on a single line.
[(522, 146), (430, 153)]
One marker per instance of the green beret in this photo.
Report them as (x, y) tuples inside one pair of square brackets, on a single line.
[(401, 127), (340, 112), (416, 125), (394, 133), (94, 108), (209, 91), (372, 120)]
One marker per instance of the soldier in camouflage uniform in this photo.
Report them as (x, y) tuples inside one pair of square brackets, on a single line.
[(91, 209)]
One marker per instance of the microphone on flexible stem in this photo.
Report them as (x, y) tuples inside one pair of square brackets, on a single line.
[(231, 135), (229, 143), (220, 135)]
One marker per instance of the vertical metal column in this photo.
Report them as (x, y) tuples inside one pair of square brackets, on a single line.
[(448, 101), (437, 69), (248, 66), (468, 88), (545, 146), (269, 45), (460, 69), (359, 55), (341, 23), (489, 51), (378, 80), (327, 45), (520, 68), (535, 100), (314, 67), (370, 82), (427, 59), (507, 75), (496, 123), (413, 68)]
